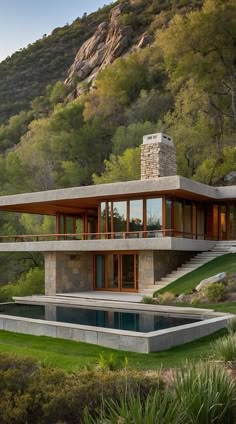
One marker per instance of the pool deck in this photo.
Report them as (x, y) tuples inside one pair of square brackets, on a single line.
[(130, 302)]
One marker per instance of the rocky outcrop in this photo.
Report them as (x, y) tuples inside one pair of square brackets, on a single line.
[(110, 41)]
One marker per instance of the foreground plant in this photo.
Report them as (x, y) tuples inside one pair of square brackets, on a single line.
[(207, 394), (224, 348), (231, 325), (158, 408)]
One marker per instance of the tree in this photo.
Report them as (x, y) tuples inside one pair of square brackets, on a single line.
[(131, 136), (125, 167)]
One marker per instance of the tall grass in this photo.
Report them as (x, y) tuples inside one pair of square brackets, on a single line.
[(158, 408), (224, 348), (207, 394), (201, 393)]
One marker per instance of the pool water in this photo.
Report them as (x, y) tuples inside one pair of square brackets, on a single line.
[(107, 318)]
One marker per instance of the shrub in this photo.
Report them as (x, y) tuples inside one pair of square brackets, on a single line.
[(158, 408), (31, 393), (32, 282), (231, 325), (206, 392), (225, 348), (195, 301), (215, 292), (147, 299), (165, 298)]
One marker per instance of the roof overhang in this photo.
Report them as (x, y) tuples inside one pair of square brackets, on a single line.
[(78, 199)]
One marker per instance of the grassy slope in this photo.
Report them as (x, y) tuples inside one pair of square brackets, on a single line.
[(226, 263), (71, 355)]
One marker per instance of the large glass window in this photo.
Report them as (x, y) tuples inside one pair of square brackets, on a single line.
[(222, 223), (188, 220), (100, 271), (169, 225), (178, 219), (154, 217), (232, 222), (200, 222), (135, 217), (103, 217), (194, 221), (119, 218)]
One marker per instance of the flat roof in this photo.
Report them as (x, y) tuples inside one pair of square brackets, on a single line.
[(77, 199)]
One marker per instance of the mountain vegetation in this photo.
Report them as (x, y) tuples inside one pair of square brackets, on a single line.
[(182, 81)]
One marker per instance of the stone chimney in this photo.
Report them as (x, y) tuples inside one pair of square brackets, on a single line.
[(158, 156)]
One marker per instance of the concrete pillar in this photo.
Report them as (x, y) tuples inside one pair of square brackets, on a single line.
[(158, 156), (145, 269), (68, 272)]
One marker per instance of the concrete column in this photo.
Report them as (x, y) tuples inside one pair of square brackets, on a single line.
[(68, 272), (146, 268)]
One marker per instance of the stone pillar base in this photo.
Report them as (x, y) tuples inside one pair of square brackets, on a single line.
[(68, 272)]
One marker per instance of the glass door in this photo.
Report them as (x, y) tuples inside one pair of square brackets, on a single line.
[(127, 271), (116, 272)]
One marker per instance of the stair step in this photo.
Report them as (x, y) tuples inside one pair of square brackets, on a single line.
[(167, 279)]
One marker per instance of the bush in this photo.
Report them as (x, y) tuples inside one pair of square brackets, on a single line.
[(206, 393), (215, 292), (231, 325), (165, 298), (31, 393), (147, 299), (224, 349), (158, 408), (32, 282)]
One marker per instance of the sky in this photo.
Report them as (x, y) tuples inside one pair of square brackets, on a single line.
[(24, 21)]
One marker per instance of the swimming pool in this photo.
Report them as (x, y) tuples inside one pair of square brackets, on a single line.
[(136, 328), (106, 318)]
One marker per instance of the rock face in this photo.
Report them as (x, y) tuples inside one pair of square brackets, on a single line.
[(110, 41), (218, 278)]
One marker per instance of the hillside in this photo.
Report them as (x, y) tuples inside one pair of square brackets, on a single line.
[(25, 74)]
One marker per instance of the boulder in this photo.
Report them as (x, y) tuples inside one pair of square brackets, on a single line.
[(181, 297), (218, 278)]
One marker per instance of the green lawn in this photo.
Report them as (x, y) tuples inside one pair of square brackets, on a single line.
[(70, 355), (225, 263)]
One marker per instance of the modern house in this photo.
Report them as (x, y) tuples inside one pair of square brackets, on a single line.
[(125, 236)]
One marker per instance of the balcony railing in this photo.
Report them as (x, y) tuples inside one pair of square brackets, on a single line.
[(103, 236)]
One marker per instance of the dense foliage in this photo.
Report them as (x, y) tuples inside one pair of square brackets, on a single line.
[(197, 393)]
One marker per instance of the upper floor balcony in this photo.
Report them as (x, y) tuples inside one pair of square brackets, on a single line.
[(170, 212)]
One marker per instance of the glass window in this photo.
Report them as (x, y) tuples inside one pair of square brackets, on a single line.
[(232, 222), (200, 222), (154, 217), (136, 217), (194, 218), (188, 220), (169, 224), (79, 227), (119, 218), (69, 226), (103, 217), (222, 223), (178, 208), (100, 271)]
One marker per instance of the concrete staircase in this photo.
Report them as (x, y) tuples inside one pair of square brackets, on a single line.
[(220, 248)]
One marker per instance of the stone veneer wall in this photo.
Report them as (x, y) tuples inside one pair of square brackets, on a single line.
[(71, 272), (145, 269), (153, 265), (157, 160)]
